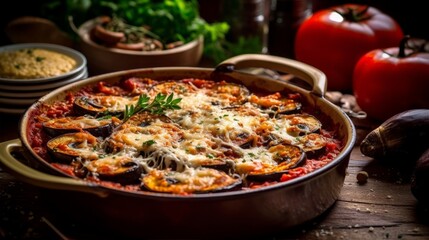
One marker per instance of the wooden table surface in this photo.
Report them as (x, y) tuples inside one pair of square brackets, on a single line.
[(381, 208)]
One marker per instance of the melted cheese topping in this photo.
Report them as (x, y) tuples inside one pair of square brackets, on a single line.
[(210, 129), (80, 122), (157, 134), (107, 103), (189, 180)]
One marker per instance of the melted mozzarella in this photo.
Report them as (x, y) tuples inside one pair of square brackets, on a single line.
[(115, 103), (198, 177), (205, 129), (157, 134), (111, 163), (86, 151), (280, 131)]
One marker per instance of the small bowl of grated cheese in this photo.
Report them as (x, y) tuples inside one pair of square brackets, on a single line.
[(30, 70), (39, 62)]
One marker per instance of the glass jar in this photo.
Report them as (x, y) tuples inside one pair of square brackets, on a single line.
[(248, 19), (285, 18)]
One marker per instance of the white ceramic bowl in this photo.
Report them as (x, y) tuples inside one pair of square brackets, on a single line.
[(103, 59), (40, 86), (17, 94), (80, 59)]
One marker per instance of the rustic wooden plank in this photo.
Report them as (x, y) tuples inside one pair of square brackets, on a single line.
[(405, 232), (385, 184), (354, 220), (347, 214)]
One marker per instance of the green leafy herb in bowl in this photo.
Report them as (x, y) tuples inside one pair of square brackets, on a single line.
[(171, 21)]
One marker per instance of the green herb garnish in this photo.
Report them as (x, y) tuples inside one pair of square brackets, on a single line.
[(149, 143), (199, 148), (104, 116), (39, 59), (159, 105)]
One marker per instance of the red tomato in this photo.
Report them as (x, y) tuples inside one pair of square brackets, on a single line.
[(334, 39), (389, 81)]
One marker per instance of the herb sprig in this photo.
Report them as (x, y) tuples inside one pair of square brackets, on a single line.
[(159, 105)]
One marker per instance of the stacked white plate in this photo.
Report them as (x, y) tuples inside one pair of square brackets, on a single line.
[(18, 94)]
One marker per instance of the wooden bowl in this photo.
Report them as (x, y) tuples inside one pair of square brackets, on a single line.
[(102, 59)]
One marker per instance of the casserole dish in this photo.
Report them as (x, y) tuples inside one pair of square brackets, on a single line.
[(266, 210)]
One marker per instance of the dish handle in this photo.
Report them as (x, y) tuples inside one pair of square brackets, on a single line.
[(313, 76), (38, 178)]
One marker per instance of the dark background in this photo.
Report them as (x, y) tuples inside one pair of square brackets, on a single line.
[(411, 15)]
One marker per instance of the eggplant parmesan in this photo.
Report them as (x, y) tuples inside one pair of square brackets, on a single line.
[(186, 136)]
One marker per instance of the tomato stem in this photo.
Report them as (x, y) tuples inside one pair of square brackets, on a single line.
[(402, 46), (354, 14)]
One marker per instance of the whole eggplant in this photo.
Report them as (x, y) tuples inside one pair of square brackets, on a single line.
[(420, 179), (403, 137)]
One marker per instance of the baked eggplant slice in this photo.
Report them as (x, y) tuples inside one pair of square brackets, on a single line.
[(209, 161), (145, 139), (301, 124), (176, 160), (284, 156), (101, 105), (166, 160), (70, 146), (276, 104), (287, 107), (313, 144), (218, 164), (98, 127), (144, 119), (189, 181), (195, 152), (167, 88), (231, 93), (122, 169)]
